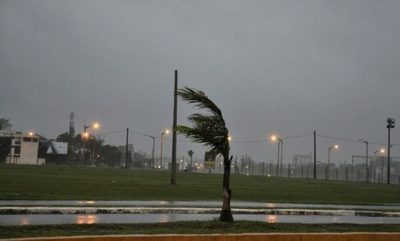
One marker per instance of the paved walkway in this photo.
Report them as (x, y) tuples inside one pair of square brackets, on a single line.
[(206, 204), (45, 212)]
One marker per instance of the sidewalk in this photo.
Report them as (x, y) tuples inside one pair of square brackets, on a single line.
[(186, 207)]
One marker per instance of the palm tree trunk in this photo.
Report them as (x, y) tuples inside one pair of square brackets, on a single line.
[(226, 214)]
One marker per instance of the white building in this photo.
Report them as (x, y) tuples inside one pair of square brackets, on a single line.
[(24, 148)]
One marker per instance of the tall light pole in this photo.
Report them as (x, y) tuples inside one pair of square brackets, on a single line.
[(152, 152), (161, 146), (126, 148), (315, 155), (329, 160), (86, 137), (275, 138), (390, 125), (174, 124), (366, 160)]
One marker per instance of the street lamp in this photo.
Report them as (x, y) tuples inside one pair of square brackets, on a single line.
[(329, 159), (152, 152), (275, 138), (161, 146), (390, 125), (382, 151), (86, 136), (366, 160)]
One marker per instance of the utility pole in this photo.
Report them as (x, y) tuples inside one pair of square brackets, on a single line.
[(366, 160), (152, 152), (173, 166), (315, 155), (281, 156), (84, 144), (390, 124), (277, 162), (126, 148)]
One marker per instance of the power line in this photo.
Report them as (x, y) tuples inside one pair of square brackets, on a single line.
[(112, 132), (250, 141), (338, 138), (353, 141), (294, 137), (256, 140)]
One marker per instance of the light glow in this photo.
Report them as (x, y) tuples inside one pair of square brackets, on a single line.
[(96, 125)]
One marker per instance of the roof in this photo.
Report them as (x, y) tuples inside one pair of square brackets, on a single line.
[(55, 147)]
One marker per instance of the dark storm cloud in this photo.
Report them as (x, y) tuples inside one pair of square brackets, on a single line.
[(283, 66)]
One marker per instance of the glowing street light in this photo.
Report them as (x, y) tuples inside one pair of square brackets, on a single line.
[(329, 159), (166, 131), (95, 125), (86, 137), (275, 138)]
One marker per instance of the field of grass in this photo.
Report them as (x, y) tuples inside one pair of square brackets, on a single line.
[(194, 227), (77, 183)]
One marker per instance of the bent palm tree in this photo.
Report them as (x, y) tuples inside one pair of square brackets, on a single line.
[(210, 130)]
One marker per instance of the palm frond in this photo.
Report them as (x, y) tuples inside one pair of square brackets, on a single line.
[(200, 100), (208, 129), (200, 136)]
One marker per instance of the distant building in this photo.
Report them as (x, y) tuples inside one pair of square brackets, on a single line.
[(56, 152), (24, 148)]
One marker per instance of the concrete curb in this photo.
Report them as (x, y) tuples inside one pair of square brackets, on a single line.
[(234, 237)]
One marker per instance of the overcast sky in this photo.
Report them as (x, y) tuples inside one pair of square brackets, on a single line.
[(288, 67)]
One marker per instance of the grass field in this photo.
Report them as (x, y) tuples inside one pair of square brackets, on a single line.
[(194, 227), (77, 183)]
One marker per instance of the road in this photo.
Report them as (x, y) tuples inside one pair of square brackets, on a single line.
[(89, 212)]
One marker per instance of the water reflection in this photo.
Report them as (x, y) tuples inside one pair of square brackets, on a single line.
[(271, 218), (164, 218), (86, 219), (157, 218), (192, 204), (87, 202), (270, 205), (25, 220), (334, 219)]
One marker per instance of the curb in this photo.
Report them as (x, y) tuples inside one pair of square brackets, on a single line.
[(233, 237)]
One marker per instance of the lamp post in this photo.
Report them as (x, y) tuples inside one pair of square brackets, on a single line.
[(275, 138), (152, 152), (161, 146), (329, 159), (86, 137), (381, 151), (366, 160), (390, 125)]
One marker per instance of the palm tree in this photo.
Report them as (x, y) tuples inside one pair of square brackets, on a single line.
[(210, 130), (190, 153)]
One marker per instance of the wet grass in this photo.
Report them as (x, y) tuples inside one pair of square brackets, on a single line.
[(77, 183), (195, 227)]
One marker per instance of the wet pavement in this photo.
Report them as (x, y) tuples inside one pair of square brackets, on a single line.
[(92, 203), (162, 218), (88, 212)]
